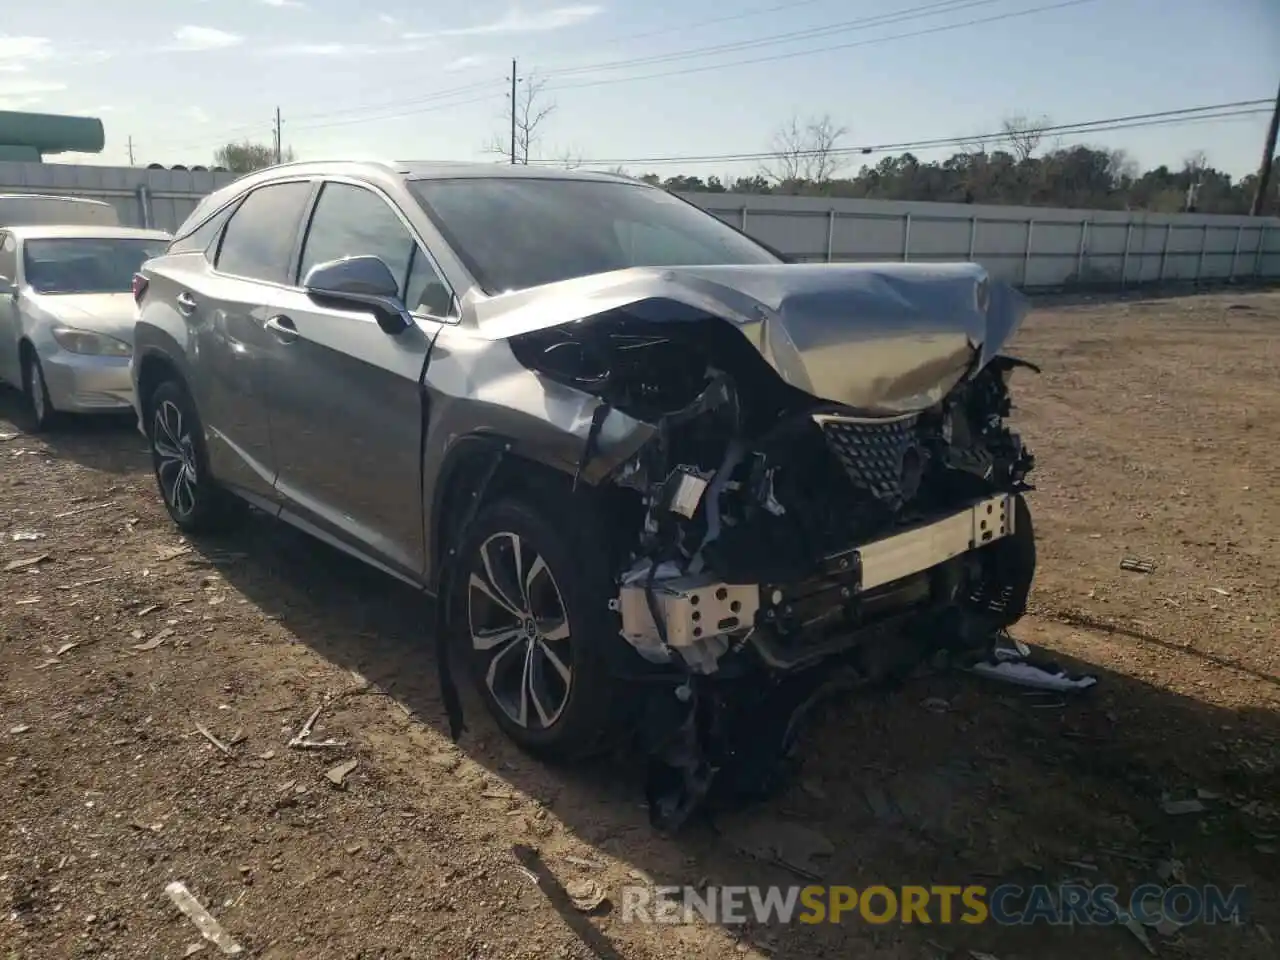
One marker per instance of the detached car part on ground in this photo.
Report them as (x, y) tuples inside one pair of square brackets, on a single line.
[(664, 505)]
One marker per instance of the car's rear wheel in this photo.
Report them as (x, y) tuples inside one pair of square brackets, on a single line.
[(531, 598), (41, 415), (194, 500)]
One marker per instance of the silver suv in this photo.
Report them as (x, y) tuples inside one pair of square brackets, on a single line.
[(649, 470)]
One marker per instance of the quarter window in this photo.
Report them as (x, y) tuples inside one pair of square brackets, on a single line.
[(350, 221), (202, 238), (258, 242)]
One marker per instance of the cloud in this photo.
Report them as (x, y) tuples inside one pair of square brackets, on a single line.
[(339, 49), (204, 38), (19, 94), (284, 3), (388, 19), (465, 63), (18, 49), (517, 21), (323, 50), (196, 115)]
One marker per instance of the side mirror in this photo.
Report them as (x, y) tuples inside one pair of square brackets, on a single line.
[(360, 282)]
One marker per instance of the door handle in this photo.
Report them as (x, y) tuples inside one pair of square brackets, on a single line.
[(283, 328), (186, 304)]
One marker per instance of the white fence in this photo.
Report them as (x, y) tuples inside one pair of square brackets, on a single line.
[(142, 197), (1033, 247), (1028, 246)]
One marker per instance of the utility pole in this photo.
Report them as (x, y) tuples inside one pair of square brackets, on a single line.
[(1268, 161), (279, 141), (131, 151), (513, 111)]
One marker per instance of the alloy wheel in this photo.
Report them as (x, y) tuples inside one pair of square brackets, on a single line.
[(520, 630), (175, 458)]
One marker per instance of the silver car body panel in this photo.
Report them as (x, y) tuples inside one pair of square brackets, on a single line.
[(881, 338)]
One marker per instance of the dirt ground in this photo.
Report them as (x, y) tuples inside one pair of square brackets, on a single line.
[(1157, 428)]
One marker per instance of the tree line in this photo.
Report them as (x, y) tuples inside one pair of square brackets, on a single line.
[(807, 161)]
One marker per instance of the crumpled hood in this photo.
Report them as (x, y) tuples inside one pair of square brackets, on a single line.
[(108, 313), (881, 338)]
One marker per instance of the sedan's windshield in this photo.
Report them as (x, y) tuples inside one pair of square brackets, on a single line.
[(87, 265), (513, 233)]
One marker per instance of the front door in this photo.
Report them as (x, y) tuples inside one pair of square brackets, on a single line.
[(346, 398)]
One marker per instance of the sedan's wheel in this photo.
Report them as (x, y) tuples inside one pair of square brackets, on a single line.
[(194, 501), (531, 599), (518, 626), (42, 413)]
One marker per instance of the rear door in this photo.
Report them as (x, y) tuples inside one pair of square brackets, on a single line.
[(346, 398), (226, 304)]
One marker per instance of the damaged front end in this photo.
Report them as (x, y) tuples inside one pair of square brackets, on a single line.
[(831, 493)]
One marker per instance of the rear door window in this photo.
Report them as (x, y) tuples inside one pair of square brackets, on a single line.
[(259, 240)]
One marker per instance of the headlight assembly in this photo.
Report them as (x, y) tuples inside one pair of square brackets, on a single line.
[(90, 344)]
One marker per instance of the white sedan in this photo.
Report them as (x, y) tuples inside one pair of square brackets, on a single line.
[(66, 315)]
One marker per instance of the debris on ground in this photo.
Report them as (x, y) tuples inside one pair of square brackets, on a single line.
[(208, 735), (1138, 564), (26, 562), (24, 535), (155, 641), (209, 928), (586, 895), (338, 775), (302, 739)]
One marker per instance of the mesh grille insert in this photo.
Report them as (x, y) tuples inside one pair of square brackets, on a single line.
[(882, 457)]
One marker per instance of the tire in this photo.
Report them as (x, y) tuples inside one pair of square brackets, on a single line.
[(181, 464), (518, 661), (41, 415)]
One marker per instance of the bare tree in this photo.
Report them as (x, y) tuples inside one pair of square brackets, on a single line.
[(1024, 134), (531, 111), (570, 158), (805, 150)]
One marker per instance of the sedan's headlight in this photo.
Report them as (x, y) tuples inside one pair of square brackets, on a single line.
[(90, 343)]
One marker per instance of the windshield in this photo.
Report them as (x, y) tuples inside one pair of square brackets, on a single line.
[(87, 265), (513, 233)]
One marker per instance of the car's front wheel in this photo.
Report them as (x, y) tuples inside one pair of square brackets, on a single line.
[(532, 599), (193, 499), (40, 411)]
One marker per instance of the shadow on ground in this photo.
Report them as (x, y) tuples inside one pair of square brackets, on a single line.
[(107, 442), (982, 784)]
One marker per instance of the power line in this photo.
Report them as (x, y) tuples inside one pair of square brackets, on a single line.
[(830, 29), (435, 100), (826, 49), (1217, 111), (686, 27)]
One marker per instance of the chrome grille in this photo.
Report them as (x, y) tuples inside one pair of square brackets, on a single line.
[(882, 457)]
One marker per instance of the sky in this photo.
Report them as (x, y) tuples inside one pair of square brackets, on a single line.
[(425, 80)]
